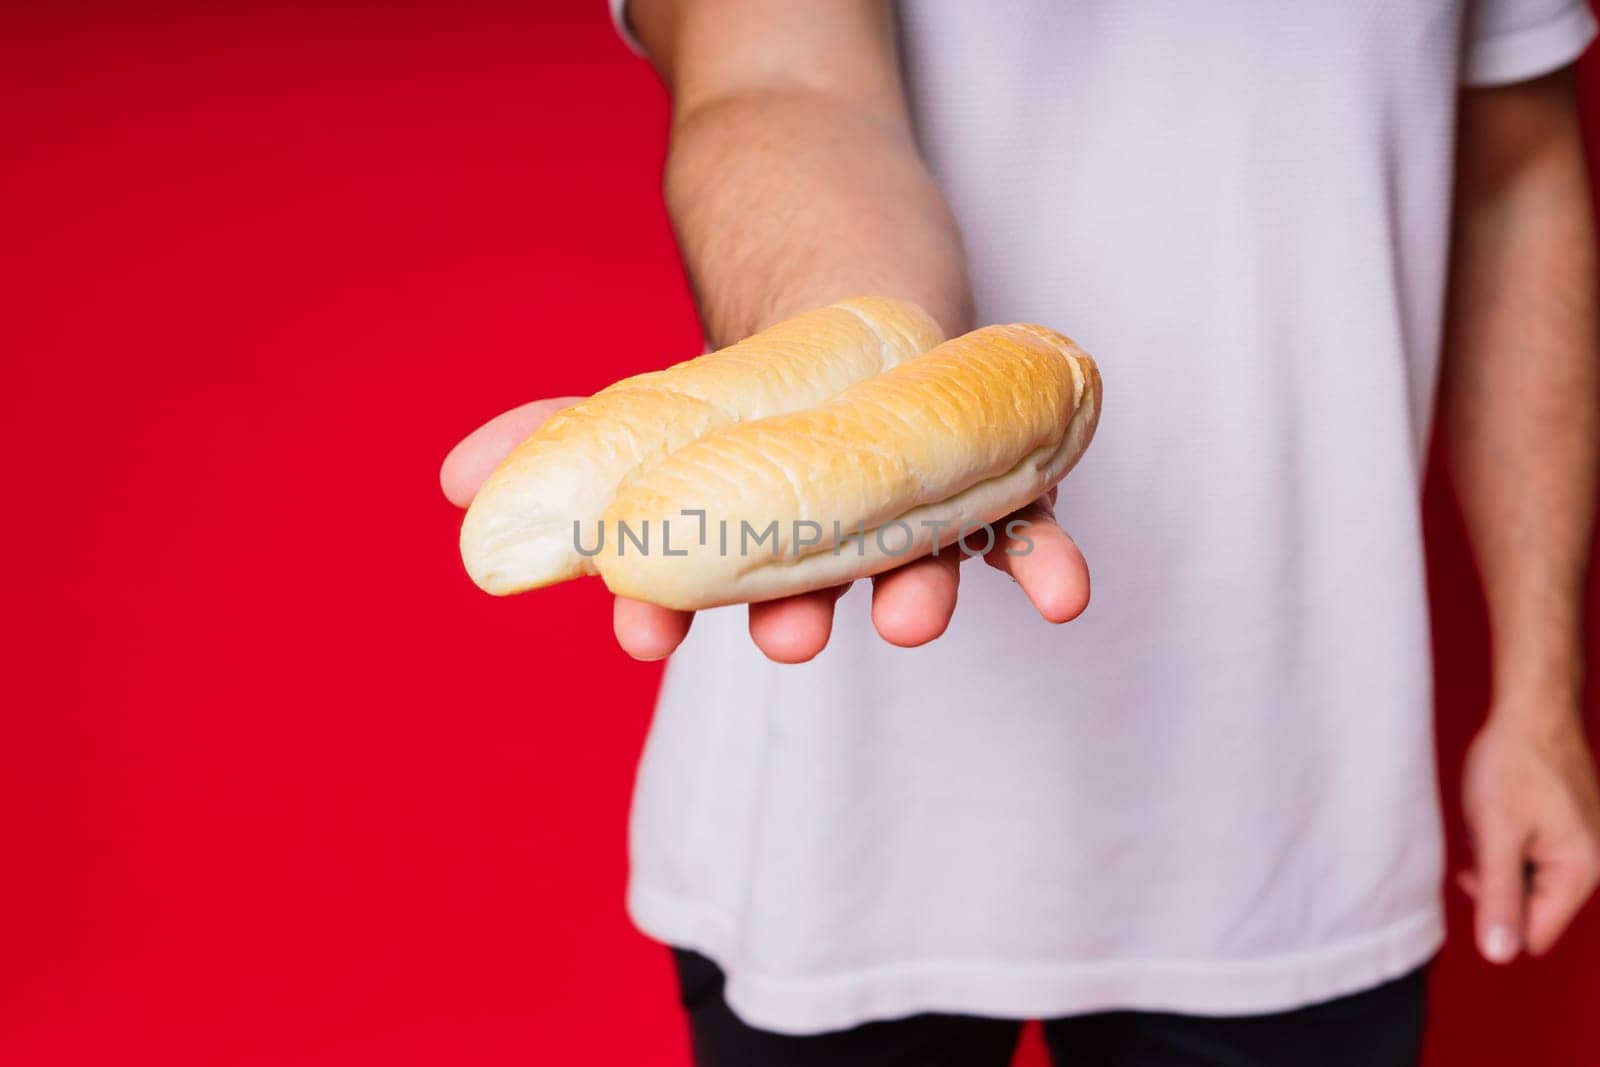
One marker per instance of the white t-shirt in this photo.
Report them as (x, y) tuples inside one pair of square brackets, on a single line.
[(1215, 792)]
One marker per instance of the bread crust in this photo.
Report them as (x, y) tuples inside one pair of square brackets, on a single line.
[(518, 533), (960, 436)]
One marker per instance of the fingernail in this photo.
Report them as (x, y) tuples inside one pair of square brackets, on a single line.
[(1499, 944)]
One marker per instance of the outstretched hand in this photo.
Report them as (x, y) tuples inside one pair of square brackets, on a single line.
[(911, 605)]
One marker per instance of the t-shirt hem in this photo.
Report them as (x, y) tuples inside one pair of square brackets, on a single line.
[(1029, 991), (1532, 51)]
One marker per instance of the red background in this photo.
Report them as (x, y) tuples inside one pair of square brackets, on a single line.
[(277, 785)]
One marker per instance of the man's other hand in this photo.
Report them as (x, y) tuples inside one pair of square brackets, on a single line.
[(1531, 803)]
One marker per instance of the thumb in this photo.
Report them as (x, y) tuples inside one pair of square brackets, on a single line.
[(481, 451), (1501, 894)]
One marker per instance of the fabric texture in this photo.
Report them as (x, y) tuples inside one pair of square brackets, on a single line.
[(1214, 794)]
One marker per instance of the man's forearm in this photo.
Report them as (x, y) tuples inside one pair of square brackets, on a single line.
[(786, 199), (1520, 399), (793, 178)]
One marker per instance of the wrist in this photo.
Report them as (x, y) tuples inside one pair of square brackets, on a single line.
[(1544, 702), (1539, 666)]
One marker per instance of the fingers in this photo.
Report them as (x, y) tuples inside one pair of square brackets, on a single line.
[(471, 460), (1032, 548), (1560, 885), (1501, 893), (648, 631), (796, 628), (1555, 892), (913, 604)]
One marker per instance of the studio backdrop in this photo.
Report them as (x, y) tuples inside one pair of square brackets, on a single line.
[(278, 785)]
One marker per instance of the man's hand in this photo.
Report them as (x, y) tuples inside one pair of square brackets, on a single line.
[(911, 605), (793, 180), (1533, 807)]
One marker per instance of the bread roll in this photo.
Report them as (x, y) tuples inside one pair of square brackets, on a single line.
[(519, 534), (963, 435)]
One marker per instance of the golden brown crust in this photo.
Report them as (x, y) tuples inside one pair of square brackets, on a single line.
[(965, 434), (518, 533)]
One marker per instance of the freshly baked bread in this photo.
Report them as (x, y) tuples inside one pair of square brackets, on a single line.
[(877, 476), (519, 532)]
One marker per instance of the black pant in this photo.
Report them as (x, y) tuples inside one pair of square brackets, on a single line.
[(1380, 1027)]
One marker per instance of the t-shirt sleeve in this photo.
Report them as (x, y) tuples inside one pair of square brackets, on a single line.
[(1514, 40), (619, 18)]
